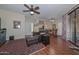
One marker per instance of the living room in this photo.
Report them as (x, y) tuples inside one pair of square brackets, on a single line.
[(18, 25)]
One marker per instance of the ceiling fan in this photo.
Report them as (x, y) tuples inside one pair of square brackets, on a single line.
[(31, 9)]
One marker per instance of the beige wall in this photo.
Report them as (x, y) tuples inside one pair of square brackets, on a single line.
[(30, 20), (59, 29), (27, 21), (59, 26), (7, 19)]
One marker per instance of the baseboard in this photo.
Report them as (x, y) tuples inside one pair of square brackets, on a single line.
[(73, 43), (19, 39), (13, 40), (59, 35)]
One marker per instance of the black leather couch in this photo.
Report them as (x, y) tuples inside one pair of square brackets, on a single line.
[(32, 40), (41, 37)]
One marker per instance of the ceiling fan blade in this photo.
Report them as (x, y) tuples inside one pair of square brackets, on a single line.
[(26, 6), (31, 6), (26, 10), (36, 8), (36, 12)]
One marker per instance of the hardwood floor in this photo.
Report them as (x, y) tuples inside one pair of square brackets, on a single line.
[(57, 46), (19, 47), (44, 51)]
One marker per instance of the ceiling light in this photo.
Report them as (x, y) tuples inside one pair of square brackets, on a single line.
[(31, 12), (18, 26)]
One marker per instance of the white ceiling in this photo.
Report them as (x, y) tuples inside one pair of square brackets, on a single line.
[(46, 10)]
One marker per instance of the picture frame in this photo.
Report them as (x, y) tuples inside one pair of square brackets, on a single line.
[(16, 24)]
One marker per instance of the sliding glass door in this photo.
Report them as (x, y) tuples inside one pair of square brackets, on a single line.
[(74, 26), (77, 26)]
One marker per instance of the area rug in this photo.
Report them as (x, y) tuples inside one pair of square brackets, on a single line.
[(19, 47)]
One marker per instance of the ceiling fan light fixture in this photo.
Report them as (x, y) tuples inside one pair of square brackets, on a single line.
[(31, 9), (31, 12)]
